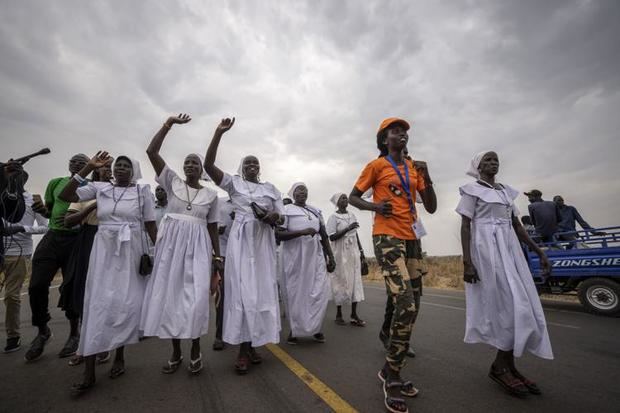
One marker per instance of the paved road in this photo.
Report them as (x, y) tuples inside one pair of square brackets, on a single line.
[(452, 376)]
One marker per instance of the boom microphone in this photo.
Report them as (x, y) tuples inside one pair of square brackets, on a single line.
[(26, 158)]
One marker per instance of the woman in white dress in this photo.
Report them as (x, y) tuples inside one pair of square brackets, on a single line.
[(346, 280), (503, 308), (306, 259), (176, 302), (251, 310), (114, 287)]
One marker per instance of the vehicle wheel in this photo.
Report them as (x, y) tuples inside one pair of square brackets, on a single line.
[(600, 296)]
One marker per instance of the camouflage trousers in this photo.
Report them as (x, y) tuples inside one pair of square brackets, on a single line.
[(416, 268), (396, 267)]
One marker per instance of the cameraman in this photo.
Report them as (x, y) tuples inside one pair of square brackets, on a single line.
[(12, 205)]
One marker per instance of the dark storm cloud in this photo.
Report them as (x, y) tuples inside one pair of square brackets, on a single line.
[(309, 82)]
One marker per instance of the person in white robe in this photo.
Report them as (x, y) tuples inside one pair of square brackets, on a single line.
[(503, 307), (114, 287), (176, 302), (251, 310), (307, 257), (346, 280)]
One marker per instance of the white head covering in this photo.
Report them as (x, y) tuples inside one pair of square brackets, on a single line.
[(294, 187), (203, 174), (240, 168), (334, 199), (474, 164), (135, 167)]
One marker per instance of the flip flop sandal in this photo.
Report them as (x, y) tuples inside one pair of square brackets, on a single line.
[(195, 366), (76, 361), (255, 358), (103, 358), (513, 386), (116, 372), (407, 389), (241, 366), (392, 403), (172, 366), (81, 388), (529, 384), (358, 322), (340, 322)]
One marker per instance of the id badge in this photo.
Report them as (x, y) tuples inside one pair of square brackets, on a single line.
[(418, 228)]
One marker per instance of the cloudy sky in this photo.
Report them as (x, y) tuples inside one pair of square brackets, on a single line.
[(309, 82)]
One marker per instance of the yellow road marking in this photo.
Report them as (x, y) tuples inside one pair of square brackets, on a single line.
[(337, 403)]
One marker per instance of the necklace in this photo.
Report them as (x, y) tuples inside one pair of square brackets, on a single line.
[(116, 201), (308, 215), (189, 202)]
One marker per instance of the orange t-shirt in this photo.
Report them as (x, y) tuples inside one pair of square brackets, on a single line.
[(380, 175)]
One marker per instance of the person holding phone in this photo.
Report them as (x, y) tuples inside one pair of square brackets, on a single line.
[(503, 308), (394, 181), (53, 253)]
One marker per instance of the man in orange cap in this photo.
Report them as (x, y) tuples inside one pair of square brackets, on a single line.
[(394, 181)]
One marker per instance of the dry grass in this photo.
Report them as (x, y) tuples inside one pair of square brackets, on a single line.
[(447, 273), (443, 272)]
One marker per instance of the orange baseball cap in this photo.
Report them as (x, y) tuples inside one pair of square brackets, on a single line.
[(390, 121)]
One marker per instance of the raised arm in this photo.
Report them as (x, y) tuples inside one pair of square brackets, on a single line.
[(155, 146), (68, 194), (213, 171)]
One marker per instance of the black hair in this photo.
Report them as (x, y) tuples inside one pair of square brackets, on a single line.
[(383, 149)]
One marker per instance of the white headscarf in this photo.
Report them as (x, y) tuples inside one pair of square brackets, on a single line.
[(136, 174), (203, 174), (474, 164), (240, 169), (294, 187), (334, 199)]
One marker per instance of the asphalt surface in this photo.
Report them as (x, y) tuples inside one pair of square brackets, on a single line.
[(451, 376)]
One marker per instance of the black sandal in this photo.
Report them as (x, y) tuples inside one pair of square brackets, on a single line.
[(358, 322), (241, 366), (340, 321), (172, 366), (116, 372), (407, 389), (254, 357), (393, 404), (508, 381), (529, 384), (81, 388)]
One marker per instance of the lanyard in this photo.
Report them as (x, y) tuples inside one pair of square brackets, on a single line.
[(403, 181)]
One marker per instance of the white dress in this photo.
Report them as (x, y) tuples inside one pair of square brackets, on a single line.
[(114, 288), (503, 308), (304, 272), (251, 310), (176, 302), (346, 280)]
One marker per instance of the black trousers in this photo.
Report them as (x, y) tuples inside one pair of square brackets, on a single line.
[(219, 310), (413, 250), (52, 254)]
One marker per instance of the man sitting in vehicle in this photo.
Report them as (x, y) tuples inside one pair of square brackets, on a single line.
[(545, 215)]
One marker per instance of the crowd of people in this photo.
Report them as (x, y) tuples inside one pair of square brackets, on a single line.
[(136, 265)]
